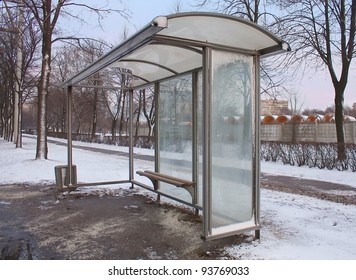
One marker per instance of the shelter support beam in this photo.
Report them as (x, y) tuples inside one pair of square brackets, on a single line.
[(206, 120), (256, 133), (156, 131), (131, 144), (69, 135), (195, 158)]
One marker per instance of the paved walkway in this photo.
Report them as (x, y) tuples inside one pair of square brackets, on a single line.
[(322, 189), (40, 223)]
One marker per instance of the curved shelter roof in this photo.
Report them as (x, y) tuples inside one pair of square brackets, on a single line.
[(174, 44)]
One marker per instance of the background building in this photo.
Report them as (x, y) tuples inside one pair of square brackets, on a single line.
[(274, 107)]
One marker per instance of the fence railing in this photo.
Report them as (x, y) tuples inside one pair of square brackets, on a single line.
[(306, 132)]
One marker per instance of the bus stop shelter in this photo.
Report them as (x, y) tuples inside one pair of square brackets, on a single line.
[(207, 130)]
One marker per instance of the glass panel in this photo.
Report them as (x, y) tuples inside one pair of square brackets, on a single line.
[(145, 71), (220, 30), (175, 133), (231, 139), (200, 137), (156, 62), (179, 59)]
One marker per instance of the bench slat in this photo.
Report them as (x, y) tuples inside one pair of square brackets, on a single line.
[(165, 178), (158, 177)]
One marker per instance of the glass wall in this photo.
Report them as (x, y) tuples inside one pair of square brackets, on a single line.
[(233, 87), (175, 133), (230, 177)]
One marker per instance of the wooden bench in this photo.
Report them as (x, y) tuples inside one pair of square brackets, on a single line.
[(181, 183)]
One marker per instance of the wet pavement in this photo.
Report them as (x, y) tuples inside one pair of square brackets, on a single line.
[(314, 188), (41, 223)]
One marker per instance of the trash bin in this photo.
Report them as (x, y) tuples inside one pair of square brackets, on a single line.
[(62, 180)]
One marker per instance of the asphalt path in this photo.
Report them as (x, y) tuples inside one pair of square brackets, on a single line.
[(102, 150), (316, 188)]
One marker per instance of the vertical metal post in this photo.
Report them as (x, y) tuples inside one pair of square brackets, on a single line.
[(256, 132), (156, 128), (206, 121), (156, 132), (131, 159), (69, 135), (195, 135)]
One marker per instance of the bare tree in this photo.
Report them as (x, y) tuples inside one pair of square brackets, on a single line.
[(47, 14), (63, 65), (256, 11), (137, 112), (148, 108), (323, 34), (92, 50), (68, 60), (263, 13), (177, 6), (18, 66), (116, 100), (295, 100)]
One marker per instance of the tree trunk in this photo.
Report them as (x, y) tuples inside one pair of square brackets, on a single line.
[(63, 119), (113, 129), (95, 114), (339, 123), (150, 117), (138, 117), (42, 149), (122, 115), (18, 93)]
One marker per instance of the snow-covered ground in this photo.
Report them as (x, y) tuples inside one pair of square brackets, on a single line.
[(293, 227)]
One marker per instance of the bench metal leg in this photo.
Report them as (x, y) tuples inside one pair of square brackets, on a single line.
[(257, 234)]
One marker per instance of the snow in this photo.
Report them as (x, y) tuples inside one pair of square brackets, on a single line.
[(294, 227)]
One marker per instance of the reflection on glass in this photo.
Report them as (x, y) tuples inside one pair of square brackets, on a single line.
[(175, 133), (231, 139)]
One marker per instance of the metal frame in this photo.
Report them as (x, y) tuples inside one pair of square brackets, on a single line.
[(69, 135), (149, 35), (256, 132), (207, 164), (206, 142), (195, 152), (128, 46)]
